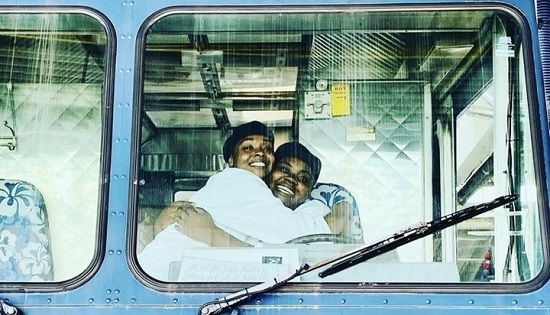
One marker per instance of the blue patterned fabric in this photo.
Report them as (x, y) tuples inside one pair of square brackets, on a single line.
[(331, 194), (24, 234)]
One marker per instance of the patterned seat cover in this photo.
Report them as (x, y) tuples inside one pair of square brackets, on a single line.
[(331, 194), (25, 253)]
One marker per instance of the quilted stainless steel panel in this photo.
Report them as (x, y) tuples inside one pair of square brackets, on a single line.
[(384, 174), (58, 130)]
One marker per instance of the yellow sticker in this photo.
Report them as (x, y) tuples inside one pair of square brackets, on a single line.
[(340, 99)]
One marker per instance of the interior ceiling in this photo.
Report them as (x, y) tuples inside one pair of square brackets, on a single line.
[(54, 59), (271, 76), (368, 56), (265, 61), (228, 65)]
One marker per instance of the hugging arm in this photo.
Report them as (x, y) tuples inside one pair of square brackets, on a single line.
[(197, 224)]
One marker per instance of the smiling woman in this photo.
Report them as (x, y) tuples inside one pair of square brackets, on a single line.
[(250, 147), (294, 174)]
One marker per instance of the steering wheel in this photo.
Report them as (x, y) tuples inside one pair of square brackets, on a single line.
[(323, 238)]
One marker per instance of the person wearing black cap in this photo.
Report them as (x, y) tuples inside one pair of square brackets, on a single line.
[(250, 147), (295, 172), (293, 177)]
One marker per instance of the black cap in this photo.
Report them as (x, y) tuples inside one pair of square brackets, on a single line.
[(297, 150), (252, 128)]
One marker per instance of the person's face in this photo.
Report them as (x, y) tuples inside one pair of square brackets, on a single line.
[(291, 181), (253, 153)]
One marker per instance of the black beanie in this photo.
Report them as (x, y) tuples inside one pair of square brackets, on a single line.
[(297, 150), (242, 131)]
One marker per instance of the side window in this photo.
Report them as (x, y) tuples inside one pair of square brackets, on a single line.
[(411, 118), (52, 107)]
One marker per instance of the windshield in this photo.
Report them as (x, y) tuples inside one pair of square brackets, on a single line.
[(302, 135)]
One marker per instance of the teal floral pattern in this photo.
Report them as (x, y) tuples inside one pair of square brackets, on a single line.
[(331, 194), (24, 239)]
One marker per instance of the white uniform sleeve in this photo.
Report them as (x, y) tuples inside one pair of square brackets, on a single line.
[(167, 247), (242, 204)]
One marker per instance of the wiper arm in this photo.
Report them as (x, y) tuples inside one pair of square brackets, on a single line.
[(357, 255), (7, 309), (415, 232), (218, 306)]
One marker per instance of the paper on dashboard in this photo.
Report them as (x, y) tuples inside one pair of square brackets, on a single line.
[(237, 265)]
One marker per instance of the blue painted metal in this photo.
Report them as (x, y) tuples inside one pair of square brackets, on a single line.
[(113, 288), (543, 19)]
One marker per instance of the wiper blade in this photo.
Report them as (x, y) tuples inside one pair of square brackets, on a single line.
[(415, 232), (357, 255)]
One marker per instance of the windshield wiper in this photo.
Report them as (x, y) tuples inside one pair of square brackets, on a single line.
[(413, 233), (7, 309), (357, 255)]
